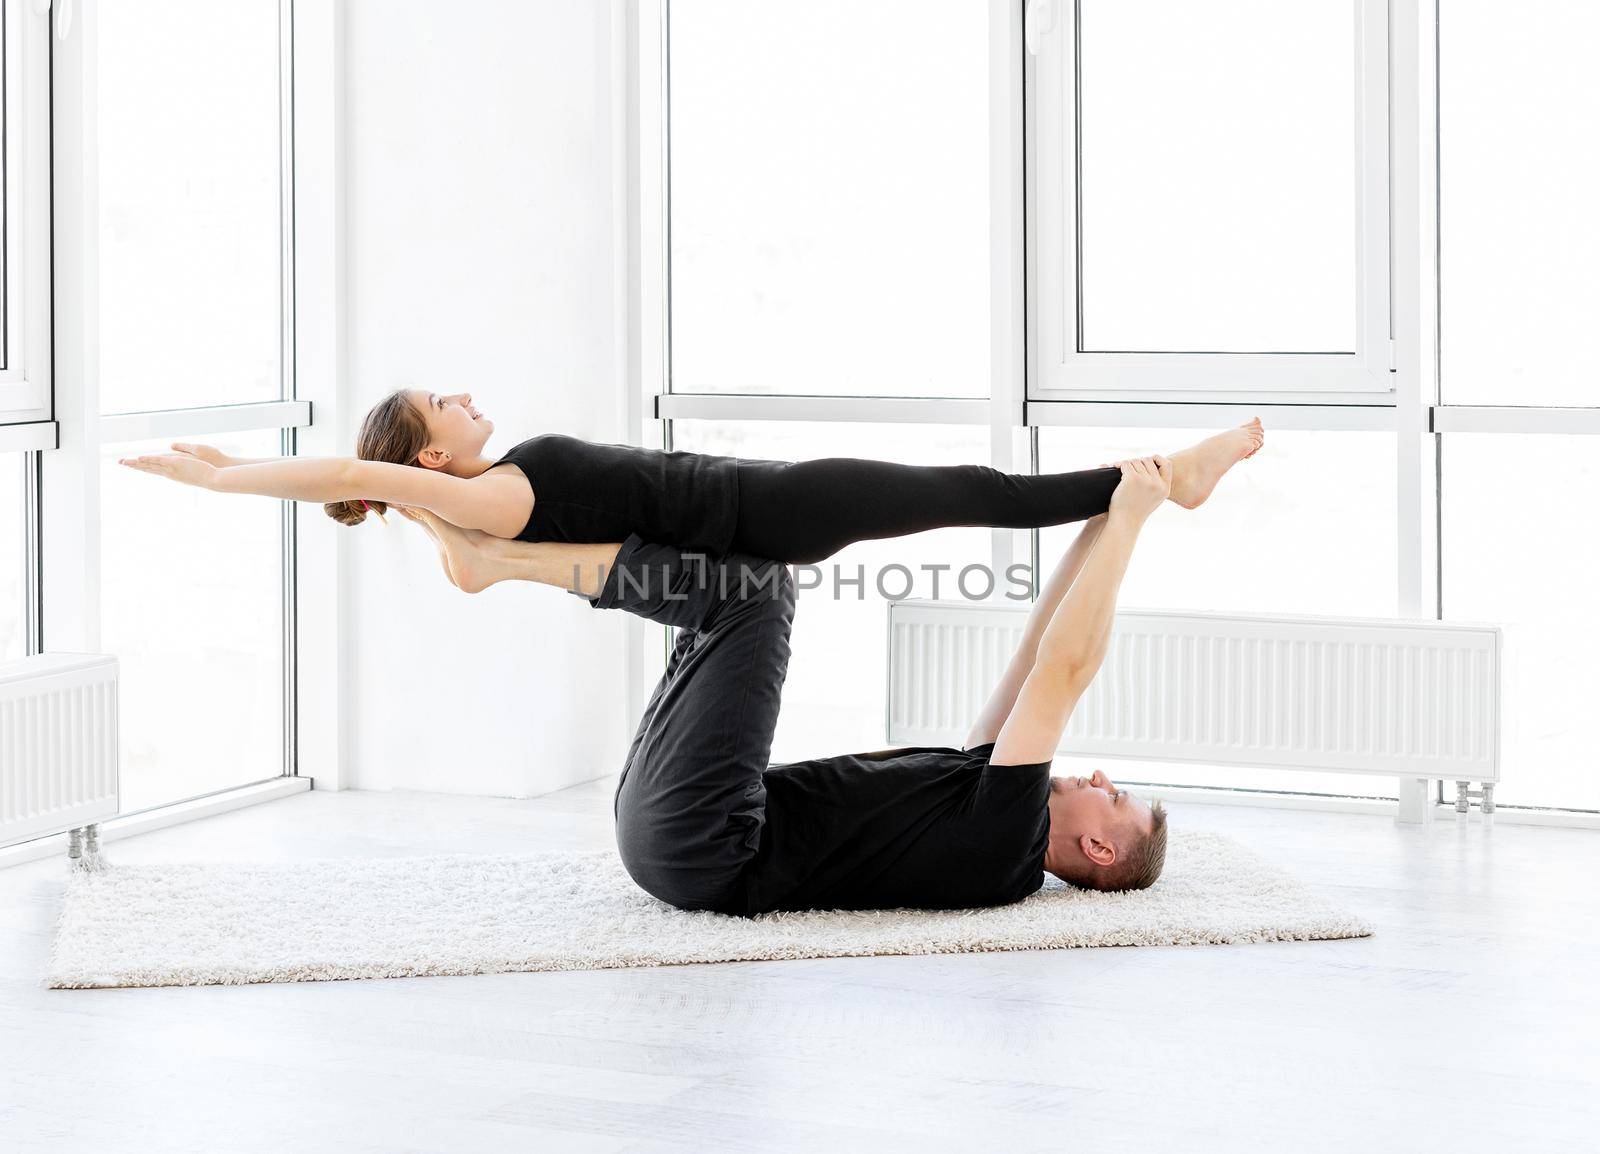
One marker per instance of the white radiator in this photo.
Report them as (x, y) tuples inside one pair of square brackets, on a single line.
[(1409, 698), (58, 744)]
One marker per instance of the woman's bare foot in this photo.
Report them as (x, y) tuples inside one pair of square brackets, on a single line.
[(471, 556), (1197, 469)]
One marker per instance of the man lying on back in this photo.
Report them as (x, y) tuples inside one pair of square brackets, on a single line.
[(704, 822)]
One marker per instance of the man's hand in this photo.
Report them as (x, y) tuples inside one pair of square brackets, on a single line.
[(1146, 482), (175, 466)]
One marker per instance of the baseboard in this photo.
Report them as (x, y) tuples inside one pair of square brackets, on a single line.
[(132, 825)]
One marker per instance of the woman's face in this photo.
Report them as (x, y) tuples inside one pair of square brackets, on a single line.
[(454, 425)]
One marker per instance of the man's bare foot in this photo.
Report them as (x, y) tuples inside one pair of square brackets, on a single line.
[(1197, 469), (471, 556)]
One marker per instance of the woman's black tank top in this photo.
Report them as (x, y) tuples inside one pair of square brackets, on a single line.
[(592, 493)]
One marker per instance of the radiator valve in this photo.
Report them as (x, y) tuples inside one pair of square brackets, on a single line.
[(1484, 793), (83, 854)]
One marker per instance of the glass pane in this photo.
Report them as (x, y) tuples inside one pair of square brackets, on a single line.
[(1523, 555), (1307, 525), (13, 634), (191, 592), (830, 199), (835, 697), (1218, 176), (1519, 237), (188, 192)]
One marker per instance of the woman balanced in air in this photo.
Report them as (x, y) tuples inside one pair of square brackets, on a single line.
[(419, 450)]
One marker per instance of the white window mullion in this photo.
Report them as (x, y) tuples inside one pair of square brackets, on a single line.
[(323, 648), (1374, 94), (1148, 414), (1416, 446), (1010, 447), (70, 475), (758, 407), (1514, 419), (205, 420), (29, 436), (1052, 197)]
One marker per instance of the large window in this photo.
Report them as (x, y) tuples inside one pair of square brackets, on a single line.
[(175, 325), (1228, 213), (831, 231), (194, 343)]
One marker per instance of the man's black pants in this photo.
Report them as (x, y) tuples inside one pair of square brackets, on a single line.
[(691, 803)]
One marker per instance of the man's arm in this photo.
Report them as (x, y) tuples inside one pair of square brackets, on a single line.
[(995, 711), (1070, 652)]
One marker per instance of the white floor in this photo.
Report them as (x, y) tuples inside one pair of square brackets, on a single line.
[(1470, 1022)]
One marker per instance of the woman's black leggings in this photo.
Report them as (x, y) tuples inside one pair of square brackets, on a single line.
[(804, 511)]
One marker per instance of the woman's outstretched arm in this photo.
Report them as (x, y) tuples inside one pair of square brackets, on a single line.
[(215, 456), (487, 503)]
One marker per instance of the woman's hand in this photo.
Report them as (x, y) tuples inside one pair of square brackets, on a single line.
[(177, 466), (208, 453)]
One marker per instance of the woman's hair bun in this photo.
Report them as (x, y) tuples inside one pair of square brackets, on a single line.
[(352, 512)]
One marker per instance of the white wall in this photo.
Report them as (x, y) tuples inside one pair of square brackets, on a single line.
[(478, 255)]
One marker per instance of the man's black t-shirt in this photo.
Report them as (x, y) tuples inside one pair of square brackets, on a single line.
[(924, 827)]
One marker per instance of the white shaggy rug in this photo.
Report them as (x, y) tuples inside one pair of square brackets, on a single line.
[(193, 923)]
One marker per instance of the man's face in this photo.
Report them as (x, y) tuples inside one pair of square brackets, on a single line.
[(1095, 807)]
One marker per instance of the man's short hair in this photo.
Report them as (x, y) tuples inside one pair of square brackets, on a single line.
[(1149, 857), (1139, 868)]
